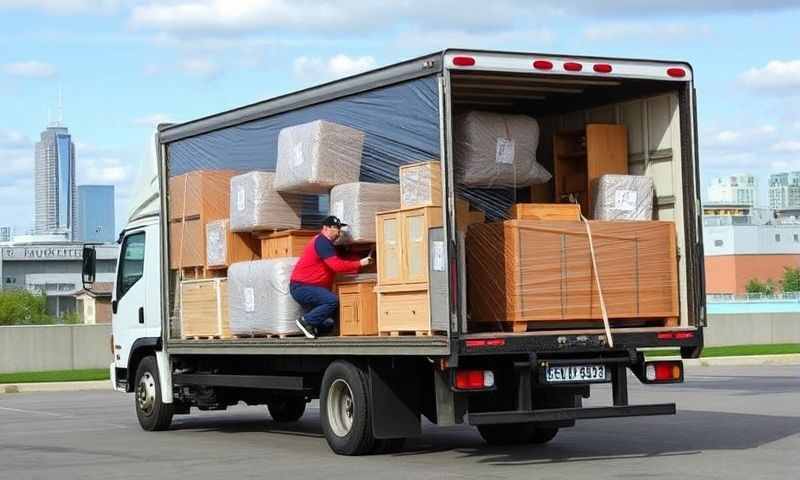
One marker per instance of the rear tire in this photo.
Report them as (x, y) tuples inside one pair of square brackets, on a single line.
[(345, 410), (516, 433), (153, 414), (288, 409)]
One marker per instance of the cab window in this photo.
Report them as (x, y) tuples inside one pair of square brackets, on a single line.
[(131, 266)]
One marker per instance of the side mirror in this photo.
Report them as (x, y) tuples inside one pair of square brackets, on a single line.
[(89, 266)]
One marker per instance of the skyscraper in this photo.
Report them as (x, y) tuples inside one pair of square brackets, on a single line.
[(742, 188), (54, 182), (6, 234), (784, 190), (95, 213)]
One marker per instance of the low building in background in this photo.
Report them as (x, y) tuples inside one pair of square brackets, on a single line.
[(741, 189), (94, 306), (784, 190)]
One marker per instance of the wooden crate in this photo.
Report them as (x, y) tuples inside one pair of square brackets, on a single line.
[(358, 308), (187, 244), (233, 246), (204, 308), (421, 184), (404, 312), (201, 193), (403, 244), (527, 270), (286, 243), (546, 211)]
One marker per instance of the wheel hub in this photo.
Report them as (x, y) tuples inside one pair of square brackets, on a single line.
[(146, 393), (340, 408)]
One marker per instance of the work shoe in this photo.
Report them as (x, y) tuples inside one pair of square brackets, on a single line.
[(308, 330)]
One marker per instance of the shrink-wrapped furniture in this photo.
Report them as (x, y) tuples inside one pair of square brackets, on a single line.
[(255, 204), (260, 302), (421, 184), (623, 197), (356, 205), (224, 247), (315, 156)]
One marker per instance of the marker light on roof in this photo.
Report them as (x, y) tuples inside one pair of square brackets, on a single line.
[(463, 61), (676, 72), (543, 65), (573, 67), (602, 68)]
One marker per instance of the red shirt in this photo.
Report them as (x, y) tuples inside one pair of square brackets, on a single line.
[(320, 263)]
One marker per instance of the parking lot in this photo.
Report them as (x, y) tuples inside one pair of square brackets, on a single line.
[(733, 422)]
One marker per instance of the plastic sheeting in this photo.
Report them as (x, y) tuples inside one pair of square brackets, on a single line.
[(623, 197), (216, 243), (421, 184), (316, 156), (260, 302), (497, 150), (356, 205), (256, 205)]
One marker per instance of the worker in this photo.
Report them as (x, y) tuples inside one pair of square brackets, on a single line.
[(313, 275)]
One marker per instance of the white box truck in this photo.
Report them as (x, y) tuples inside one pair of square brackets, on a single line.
[(515, 387)]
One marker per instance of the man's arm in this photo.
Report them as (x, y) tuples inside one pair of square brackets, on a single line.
[(327, 253)]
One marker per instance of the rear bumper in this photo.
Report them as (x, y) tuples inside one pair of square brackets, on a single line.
[(560, 414)]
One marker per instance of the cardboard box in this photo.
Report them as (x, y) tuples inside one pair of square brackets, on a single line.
[(200, 194), (204, 308), (421, 184)]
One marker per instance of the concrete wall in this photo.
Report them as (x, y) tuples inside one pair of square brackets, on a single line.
[(752, 329), (54, 347)]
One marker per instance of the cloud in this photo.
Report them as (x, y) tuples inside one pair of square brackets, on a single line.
[(646, 30), (152, 120), (650, 8), (63, 7), (30, 69), (203, 67), (316, 68), (419, 41), (787, 146), (777, 76)]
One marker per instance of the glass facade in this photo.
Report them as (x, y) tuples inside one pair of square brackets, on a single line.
[(96, 213), (64, 181)]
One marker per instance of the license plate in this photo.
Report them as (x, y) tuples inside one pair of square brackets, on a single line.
[(576, 373)]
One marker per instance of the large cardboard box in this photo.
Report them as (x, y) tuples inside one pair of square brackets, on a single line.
[(256, 205), (224, 247), (200, 194), (528, 270), (204, 308), (356, 205), (421, 184)]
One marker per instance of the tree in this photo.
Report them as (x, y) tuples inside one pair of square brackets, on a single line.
[(791, 279), (21, 307), (755, 286)]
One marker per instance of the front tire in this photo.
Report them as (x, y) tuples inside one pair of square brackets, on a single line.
[(153, 414), (516, 433), (345, 409), (289, 409)]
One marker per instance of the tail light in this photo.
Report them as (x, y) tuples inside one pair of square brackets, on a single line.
[(474, 379), (670, 371), (463, 61)]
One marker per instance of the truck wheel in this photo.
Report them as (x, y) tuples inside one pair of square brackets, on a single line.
[(516, 433), (344, 409), (152, 413), (287, 409)]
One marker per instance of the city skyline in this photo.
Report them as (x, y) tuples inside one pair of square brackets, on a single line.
[(54, 180)]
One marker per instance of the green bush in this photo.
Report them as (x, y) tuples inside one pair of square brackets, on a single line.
[(755, 286), (791, 279), (21, 307)]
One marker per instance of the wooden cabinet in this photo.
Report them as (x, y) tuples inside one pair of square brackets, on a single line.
[(358, 309), (224, 247), (404, 311), (287, 243), (581, 157), (546, 211), (204, 308), (403, 244)]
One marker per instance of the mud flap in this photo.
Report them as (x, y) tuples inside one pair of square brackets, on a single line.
[(395, 397)]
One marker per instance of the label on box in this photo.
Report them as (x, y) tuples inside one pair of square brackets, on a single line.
[(625, 200), (298, 154), (249, 300), (437, 256), (338, 209), (505, 151), (240, 199)]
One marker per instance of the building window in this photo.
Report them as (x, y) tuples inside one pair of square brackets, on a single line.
[(777, 237), (796, 238), (718, 243)]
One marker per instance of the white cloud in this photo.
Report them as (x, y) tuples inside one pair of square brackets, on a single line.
[(30, 69), (63, 7), (316, 68), (646, 30), (777, 76), (650, 8), (734, 139), (420, 42), (203, 67), (787, 146), (152, 120)]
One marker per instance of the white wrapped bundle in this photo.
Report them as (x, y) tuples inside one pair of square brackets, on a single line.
[(497, 150), (256, 205), (356, 205), (315, 156), (216, 243), (623, 197), (259, 298)]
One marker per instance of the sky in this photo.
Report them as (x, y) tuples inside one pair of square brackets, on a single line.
[(125, 65)]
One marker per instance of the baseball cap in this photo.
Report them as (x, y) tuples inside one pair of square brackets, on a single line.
[(332, 221)]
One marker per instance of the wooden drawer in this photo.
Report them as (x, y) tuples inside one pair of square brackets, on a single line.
[(546, 211), (404, 312), (288, 243), (204, 308), (358, 310)]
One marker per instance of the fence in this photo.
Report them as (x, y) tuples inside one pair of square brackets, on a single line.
[(54, 347)]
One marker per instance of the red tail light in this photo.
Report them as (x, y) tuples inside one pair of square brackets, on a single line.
[(463, 61), (676, 72), (543, 65), (474, 379), (602, 68), (573, 67), (485, 342), (664, 372)]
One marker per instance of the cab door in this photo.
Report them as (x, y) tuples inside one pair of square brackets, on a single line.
[(129, 299)]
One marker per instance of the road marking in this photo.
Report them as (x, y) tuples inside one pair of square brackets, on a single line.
[(36, 412)]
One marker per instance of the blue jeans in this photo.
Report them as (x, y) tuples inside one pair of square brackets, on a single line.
[(321, 305)]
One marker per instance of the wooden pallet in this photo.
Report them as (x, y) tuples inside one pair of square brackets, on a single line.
[(412, 333), (271, 335), (532, 326), (197, 273), (203, 337)]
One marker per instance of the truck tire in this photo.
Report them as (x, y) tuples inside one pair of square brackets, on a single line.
[(516, 433), (153, 414), (345, 410), (287, 409)]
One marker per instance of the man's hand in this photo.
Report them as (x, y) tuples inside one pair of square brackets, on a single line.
[(366, 261)]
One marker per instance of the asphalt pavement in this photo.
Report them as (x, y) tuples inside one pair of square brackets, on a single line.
[(733, 422)]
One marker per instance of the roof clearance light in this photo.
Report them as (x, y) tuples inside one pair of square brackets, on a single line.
[(676, 72), (573, 67), (463, 61), (543, 65), (602, 68)]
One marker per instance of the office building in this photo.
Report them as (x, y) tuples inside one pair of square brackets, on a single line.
[(737, 189), (95, 214), (54, 183), (784, 190), (6, 234)]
